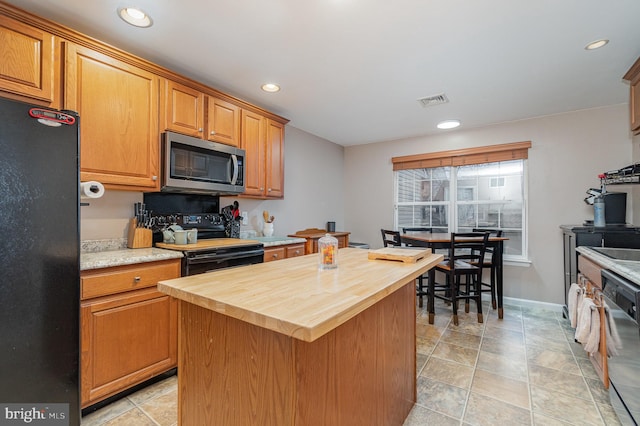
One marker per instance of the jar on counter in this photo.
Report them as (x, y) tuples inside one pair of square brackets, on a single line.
[(328, 252)]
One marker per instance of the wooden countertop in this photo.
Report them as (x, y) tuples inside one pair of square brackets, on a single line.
[(205, 244), (292, 296)]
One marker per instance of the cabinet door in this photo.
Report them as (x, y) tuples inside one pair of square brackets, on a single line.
[(27, 64), (125, 340), (275, 159), (183, 109), (634, 105), (253, 143), (223, 122), (118, 106)]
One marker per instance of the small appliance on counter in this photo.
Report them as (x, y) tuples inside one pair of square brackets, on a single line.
[(614, 205)]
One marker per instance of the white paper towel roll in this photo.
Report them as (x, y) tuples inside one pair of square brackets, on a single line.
[(91, 189)]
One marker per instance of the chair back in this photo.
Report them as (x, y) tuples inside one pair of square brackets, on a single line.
[(492, 233), (419, 229), (468, 247), (390, 238)]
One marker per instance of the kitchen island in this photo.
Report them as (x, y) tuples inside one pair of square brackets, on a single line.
[(283, 343)]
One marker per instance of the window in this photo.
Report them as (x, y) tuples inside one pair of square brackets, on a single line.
[(461, 197)]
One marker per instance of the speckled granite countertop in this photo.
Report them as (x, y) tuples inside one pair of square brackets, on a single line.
[(97, 254), (628, 269), (278, 241)]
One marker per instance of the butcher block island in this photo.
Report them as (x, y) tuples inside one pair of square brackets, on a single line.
[(284, 343)]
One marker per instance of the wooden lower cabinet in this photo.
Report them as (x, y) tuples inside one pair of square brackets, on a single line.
[(312, 236), (283, 252), (128, 337)]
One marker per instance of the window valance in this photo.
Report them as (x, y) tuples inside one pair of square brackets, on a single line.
[(462, 157)]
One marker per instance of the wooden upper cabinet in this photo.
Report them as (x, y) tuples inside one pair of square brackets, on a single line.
[(253, 134), (633, 76), (223, 122), (118, 107), (263, 141), (275, 159), (27, 64), (183, 109)]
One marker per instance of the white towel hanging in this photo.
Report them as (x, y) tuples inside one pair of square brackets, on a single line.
[(593, 341), (583, 324), (614, 344), (574, 299)]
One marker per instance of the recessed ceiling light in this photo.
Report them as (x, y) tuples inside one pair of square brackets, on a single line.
[(270, 87), (596, 44), (448, 124), (135, 17)]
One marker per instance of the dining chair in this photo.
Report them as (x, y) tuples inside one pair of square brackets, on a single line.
[(393, 239), (421, 291), (466, 252), (490, 263)]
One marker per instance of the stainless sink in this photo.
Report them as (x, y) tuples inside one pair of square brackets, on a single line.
[(619, 253)]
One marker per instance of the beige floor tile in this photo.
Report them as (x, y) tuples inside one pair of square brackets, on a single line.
[(440, 397), (608, 415), (421, 361), (132, 417), (505, 335), (482, 410), (424, 346), (502, 365), (421, 416), (552, 359), (564, 407), (544, 342), (515, 351), (459, 354), (559, 381), (542, 420), (107, 413), (163, 409), (449, 372), (155, 390), (461, 339), (514, 392), (506, 323)]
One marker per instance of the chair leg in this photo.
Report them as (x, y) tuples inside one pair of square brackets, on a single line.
[(468, 291), (494, 304), (455, 281), (478, 294), (430, 296)]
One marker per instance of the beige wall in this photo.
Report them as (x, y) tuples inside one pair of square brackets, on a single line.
[(314, 176), (568, 152)]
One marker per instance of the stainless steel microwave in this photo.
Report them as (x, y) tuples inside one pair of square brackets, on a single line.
[(192, 165)]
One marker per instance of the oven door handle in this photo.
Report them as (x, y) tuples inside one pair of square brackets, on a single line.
[(219, 258)]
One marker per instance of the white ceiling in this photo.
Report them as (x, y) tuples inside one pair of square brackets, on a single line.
[(351, 71)]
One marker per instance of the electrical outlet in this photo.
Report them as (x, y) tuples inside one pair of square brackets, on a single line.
[(245, 218)]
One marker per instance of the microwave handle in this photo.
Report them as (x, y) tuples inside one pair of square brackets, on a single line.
[(234, 158)]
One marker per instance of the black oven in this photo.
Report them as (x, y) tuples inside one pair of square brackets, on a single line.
[(623, 297), (199, 262)]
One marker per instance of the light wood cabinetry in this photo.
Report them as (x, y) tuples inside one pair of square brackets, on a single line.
[(633, 76), (312, 236), (128, 330), (283, 252), (263, 141), (28, 70), (183, 109), (118, 107), (223, 122)]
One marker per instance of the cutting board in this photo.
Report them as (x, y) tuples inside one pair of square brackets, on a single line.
[(399, 254), (208, 243)]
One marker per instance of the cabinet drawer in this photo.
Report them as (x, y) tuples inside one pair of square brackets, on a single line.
[(295, 250), (117, 279), (276, 253), (591, 270)]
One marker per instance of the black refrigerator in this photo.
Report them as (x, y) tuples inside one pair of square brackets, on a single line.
[(40, 256)]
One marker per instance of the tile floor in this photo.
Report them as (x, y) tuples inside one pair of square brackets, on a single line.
[(525, 369)]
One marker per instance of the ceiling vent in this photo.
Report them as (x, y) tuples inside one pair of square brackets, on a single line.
[(434, 100)]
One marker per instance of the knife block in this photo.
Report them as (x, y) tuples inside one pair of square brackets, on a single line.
[(139, 237)]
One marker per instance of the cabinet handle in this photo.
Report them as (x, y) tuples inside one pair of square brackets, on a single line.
[(297, 252), (213, 132), (269, 190), (262, 188), (136, 280), (275, 255), (154, 178), (200, 129)]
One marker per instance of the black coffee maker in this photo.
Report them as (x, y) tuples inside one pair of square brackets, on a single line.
[(615, 208)]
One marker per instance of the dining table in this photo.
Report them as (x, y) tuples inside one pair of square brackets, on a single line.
[(442, 240)]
